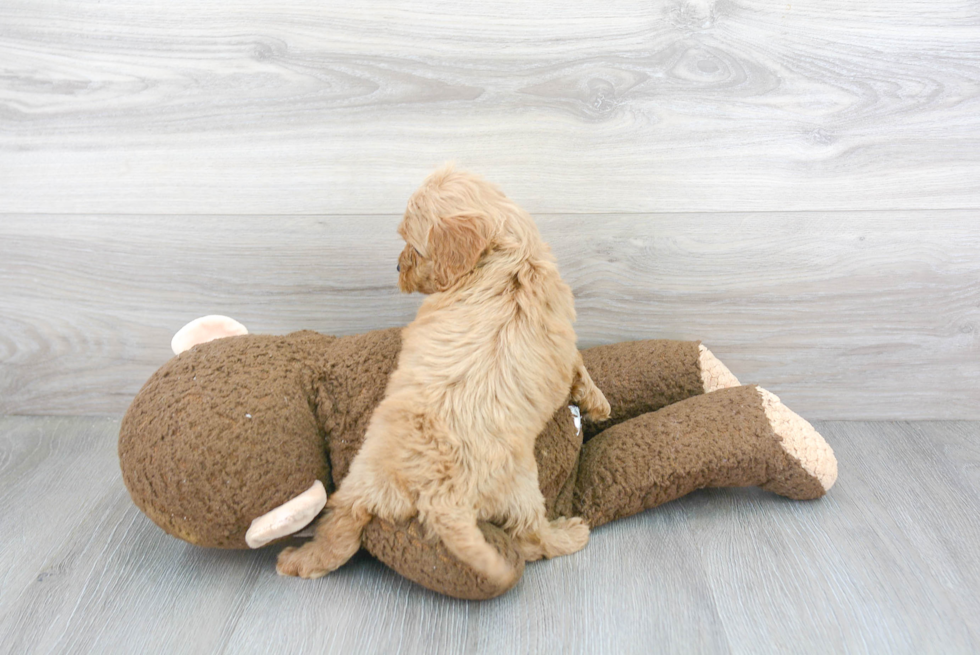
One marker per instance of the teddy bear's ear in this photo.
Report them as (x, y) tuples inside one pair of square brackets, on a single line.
[(206, 328), (288, 518), (456, 244)]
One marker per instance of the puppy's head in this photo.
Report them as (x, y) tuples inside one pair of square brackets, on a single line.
[(447, 231)]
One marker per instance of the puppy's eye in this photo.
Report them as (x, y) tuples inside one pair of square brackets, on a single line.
[(416, 251)]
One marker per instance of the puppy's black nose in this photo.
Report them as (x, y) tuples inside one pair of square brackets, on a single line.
[(398, 268)]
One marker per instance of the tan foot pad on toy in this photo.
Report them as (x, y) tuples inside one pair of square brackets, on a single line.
[(801, 442), (714, 374)]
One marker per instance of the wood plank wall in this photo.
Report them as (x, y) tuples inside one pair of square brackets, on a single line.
[(798, 185)]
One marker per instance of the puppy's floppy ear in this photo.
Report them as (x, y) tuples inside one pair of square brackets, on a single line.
[(455, 246)]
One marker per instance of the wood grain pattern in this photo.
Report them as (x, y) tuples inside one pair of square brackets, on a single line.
[(189, 107), (903, 512), (887, 562), (843, 315), (75, 527)]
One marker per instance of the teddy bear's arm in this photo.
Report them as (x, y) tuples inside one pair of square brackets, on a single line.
[(638, 377), (735, 437)]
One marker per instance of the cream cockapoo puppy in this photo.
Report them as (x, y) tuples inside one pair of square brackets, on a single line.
[(487, 361)]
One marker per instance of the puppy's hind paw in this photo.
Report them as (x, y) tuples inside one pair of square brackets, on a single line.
[(564, 537), (304, 562)]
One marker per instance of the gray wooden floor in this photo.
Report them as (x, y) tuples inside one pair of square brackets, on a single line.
[(889, 562)]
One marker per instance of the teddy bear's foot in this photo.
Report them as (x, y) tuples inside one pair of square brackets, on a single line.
[(714, 374), (809, 468)]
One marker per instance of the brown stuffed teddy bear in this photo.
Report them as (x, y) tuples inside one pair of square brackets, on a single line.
[(234, 442)]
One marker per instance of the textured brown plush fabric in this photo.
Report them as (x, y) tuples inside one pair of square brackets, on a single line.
[(222, 434), (638, 377), (351, 379), (657, 457), (556, 452), (230, 429), (425, 560)]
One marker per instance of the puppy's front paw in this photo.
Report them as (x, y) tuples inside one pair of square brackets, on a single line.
[(597, 407), (304, 562)]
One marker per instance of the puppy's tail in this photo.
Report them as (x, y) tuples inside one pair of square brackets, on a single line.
[(459, 533)]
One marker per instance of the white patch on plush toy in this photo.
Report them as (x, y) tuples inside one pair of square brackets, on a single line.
[(576, 418), (204, 329), (290, 517)]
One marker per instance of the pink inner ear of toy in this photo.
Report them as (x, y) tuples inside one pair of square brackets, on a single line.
[(204, 329), (288, 518)]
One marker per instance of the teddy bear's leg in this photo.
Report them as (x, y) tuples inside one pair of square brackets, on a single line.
[(735, 437), (714, 374), (459, 531), (417, 554), (638, 377)]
